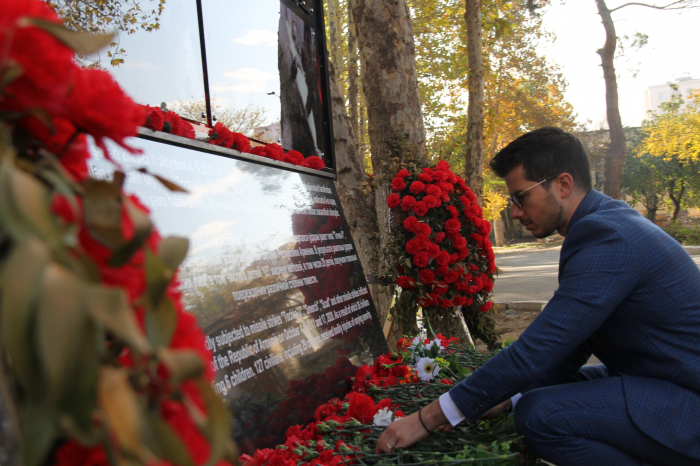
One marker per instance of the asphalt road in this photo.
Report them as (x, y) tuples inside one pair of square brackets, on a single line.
[(530, 276)]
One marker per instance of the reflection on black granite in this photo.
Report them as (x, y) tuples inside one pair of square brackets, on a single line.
[(272, 276)]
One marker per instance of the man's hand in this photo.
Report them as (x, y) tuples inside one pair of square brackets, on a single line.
[(497, 410), (406, 432)]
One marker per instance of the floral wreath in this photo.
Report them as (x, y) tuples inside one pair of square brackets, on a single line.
[(440, 248)]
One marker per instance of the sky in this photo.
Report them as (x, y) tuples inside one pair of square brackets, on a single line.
[(671, 53), (241, 40)]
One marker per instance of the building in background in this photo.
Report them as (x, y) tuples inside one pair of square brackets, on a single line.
[(655, 95)]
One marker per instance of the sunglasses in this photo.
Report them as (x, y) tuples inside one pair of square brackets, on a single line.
[(516, 198)]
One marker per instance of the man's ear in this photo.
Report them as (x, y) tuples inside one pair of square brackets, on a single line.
[(566, 185)]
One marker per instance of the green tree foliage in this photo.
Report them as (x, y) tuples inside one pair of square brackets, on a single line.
[(664, 174), (523, 90), (100, 16)]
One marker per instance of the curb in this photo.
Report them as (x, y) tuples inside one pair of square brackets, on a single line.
[(531, 306), (692, 250)]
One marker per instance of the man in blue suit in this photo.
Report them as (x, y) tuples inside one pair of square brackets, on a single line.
[(628, 293)]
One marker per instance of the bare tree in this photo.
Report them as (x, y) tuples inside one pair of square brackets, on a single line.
[(241, 120), (615, 155)]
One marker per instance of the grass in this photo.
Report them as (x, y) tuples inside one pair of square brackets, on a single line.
[(686, 233)]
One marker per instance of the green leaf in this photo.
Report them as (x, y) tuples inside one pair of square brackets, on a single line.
[(173, 251), (102, 210), (142, 226), (38, 432), (19, 289), (79, 405), (160, 323), (218, 429), (61, 325), (158, 276), (164, 442), (24, 205), (109, 307), (81, 42), (182, 364), (121, 408)]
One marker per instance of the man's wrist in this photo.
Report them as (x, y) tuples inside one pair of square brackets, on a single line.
[(433, 416)]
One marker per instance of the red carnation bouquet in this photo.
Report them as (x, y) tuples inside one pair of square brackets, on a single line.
[(106, 365), (441, 248)]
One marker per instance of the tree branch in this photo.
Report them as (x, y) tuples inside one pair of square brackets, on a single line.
[(666, 7)]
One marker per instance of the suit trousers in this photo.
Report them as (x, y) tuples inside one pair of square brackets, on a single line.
[(586, 423)]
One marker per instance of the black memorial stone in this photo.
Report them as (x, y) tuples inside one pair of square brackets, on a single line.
[(272, 276)]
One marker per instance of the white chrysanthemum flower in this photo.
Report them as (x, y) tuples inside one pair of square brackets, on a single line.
[(414, 343), (383, 418), (435, 342), (427, 369)]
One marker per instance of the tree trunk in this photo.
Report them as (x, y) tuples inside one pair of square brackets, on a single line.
[(353, 80), (451, 325), (10, 432), (334, 33), (358, 207), (615, 156), (498, 232), (474, 152), (390, 86), (676, 199)]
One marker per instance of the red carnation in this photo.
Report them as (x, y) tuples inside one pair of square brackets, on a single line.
[(425, 178), (432, 190), (442, 270), (407, 202), (426, 276), (459, 242), (420, 208), (414, 246), (406, 282), (220, 135), (403, 173), (64, 142), (462, 254), (421, 259), (431, 201), (423, 229), (459, 300), (486, 307), (453, 211), (443, 258), (47, 66), (452, 276), (397, 184), (154, 118), (173, 123), (98, 106), (315, 162), (445, 303), (432, 249), (439, 237), (411, 222), (187, 130), (452, 226), (441, 288), (241, 143), (257, 150), (393, 200), (442, 165), (447, 381), (417, 187), (440, 176), (274, 151)]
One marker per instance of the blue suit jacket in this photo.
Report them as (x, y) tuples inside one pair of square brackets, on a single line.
[(629, 294)]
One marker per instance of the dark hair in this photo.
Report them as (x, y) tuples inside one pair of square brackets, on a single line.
[(545, 153)]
